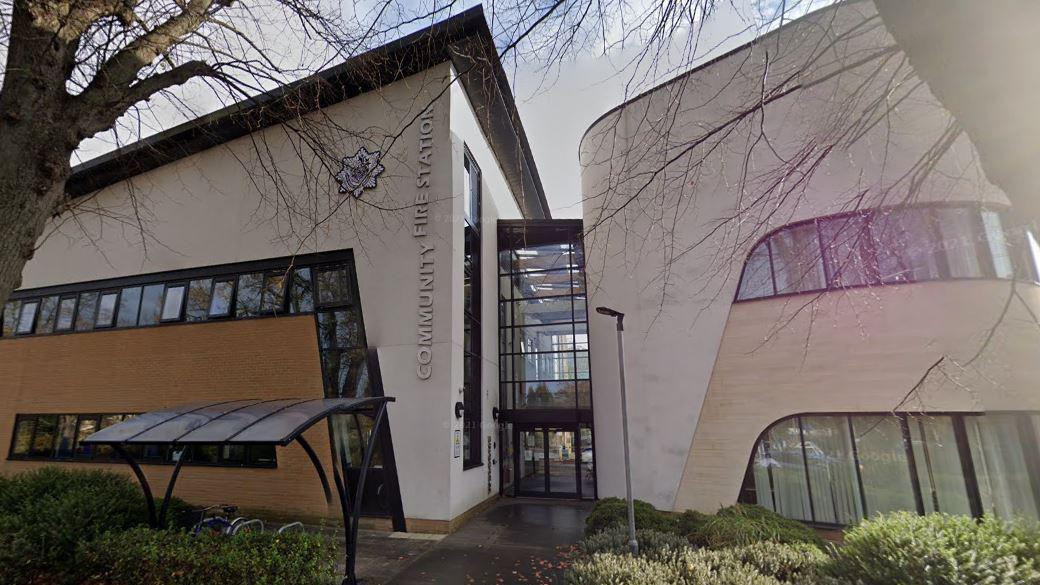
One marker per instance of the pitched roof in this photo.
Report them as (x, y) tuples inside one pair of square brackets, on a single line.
[(464, 39)]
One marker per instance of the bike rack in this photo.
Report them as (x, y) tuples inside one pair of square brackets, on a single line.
[(291, 527), (270, 422)]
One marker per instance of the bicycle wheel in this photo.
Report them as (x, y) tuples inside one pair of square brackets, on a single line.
[(212, 527)]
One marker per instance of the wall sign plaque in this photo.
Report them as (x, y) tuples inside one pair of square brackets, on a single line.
[(359, 172)]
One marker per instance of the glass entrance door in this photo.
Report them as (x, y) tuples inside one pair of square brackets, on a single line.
[(549, 462)]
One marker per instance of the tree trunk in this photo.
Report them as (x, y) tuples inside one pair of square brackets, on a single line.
[(36, 138)]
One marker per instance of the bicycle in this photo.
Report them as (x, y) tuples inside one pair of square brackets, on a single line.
[(219, 523)]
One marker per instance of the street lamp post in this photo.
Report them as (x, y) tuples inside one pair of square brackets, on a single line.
[(632, 543)]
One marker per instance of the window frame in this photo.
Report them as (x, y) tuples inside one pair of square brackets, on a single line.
[(1028, 435), (472, 356), (117, 293), (183, 285), (871, 254), (289, 268)]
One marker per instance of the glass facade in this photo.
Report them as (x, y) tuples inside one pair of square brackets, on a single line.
[(885, 246), (546, 436), (839, 469)]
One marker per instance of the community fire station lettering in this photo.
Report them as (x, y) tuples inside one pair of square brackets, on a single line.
[(421, 219)]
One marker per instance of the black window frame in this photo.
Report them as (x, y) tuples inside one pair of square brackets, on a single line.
[(115, 310), (472, 356), (1029, 436), (871, 254), (183, 285), (288, 268), (21, 314)]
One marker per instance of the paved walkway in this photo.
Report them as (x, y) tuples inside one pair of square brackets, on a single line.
[(516, 541)]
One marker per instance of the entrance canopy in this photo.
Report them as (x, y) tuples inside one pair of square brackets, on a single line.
[(231, 422), (249, 422)]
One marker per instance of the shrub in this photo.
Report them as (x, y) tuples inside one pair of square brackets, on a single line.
[(711, 567), (679, 567), (745, 524), (690, 522), (44, 514), (612, 512), (615, 569), (938, 549), (788, 563), (162, 557), (653, 544)]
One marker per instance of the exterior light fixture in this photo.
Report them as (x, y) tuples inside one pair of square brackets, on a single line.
[(632, 542)]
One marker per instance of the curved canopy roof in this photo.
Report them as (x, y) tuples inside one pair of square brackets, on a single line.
[(273, 422)]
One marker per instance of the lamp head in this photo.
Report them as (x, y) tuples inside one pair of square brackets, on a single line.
[(609, 312)]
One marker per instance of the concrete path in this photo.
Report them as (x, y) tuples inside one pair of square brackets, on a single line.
[(516, 541)]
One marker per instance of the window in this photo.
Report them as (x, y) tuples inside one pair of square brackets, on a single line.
[(223, 292), (28, 317), (797, 259), (543, 333), (839, 469), (758, 274), (262, 288), (885, 246), (199, 292), (471, 283), (66, 312), (10, 317), (151, 304), (274, 293), (48, 315), (87, 309), (129, 305), (172, 303), (106, 311), (997, 242), (60, 437), (333, 286), (301, 297), (247, 302)]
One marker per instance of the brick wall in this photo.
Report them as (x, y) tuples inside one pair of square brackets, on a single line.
[(137, 370)]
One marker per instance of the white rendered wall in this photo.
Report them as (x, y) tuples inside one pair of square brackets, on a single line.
[(666, 263), (206, 209)]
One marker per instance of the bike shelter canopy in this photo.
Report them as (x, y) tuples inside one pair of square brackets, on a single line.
[(248, 422)]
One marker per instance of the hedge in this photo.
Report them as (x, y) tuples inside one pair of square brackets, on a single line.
[(744, 524), (938, 549), (169, 557), (613, 512), (46, 513)]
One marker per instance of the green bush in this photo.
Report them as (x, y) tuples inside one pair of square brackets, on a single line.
[(745, 524), (612, 512), (938, 549), (45, 513), (690, 522), (653, 544), (168, 557)]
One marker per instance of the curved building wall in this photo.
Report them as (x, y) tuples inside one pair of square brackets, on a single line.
[(678, 186)]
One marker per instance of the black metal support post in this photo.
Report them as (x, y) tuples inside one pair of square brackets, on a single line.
[(360, 490), (345, 508), (317, 467), (147, 489), (169, 487)]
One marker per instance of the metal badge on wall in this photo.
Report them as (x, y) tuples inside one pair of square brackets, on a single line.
[(359, 172)]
